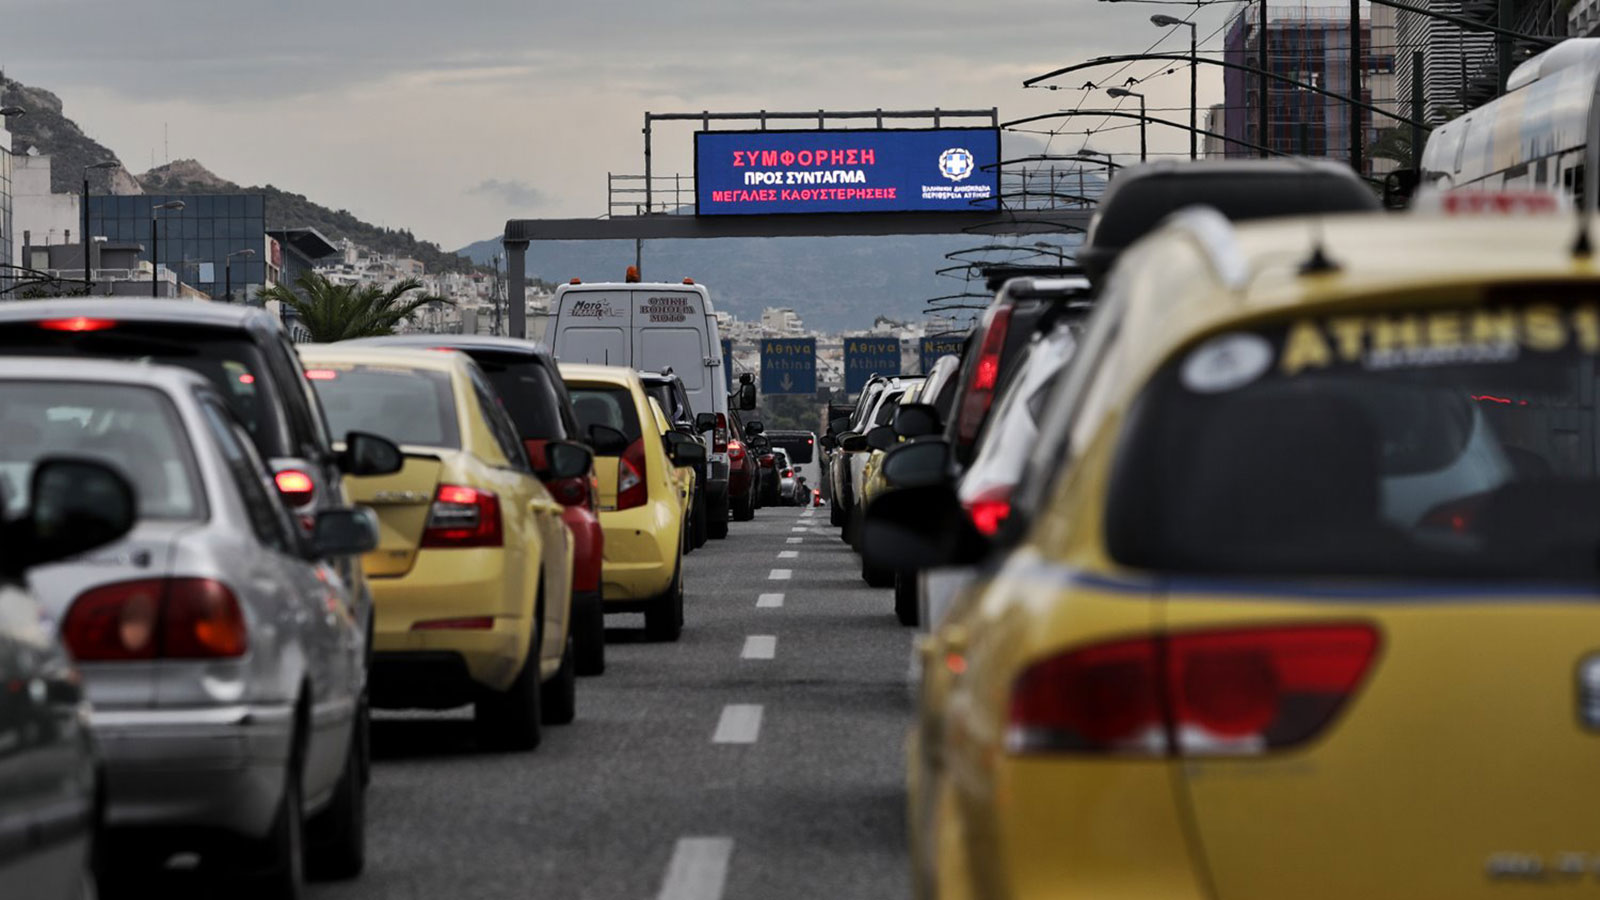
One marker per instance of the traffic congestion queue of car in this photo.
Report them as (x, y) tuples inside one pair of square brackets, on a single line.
[(1297, 567), (290, 537)]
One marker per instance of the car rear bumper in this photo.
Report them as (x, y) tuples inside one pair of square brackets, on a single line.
[(489, 657), (219, 767), (641, 552), (422, 679)]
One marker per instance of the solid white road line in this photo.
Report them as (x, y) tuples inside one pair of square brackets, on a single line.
[(740, 724), (698, 870), (789, 554), (769, 601), (794, 540), (760, 646), (780, 574)]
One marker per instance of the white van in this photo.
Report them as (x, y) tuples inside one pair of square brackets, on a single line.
[(651, 327)]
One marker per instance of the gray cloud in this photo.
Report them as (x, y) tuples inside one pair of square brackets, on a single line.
[(519, 194)]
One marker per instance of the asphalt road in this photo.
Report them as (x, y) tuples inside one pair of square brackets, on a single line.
[(695, 770)]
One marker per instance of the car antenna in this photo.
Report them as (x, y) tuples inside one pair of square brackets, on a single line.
[(1583, 246), (1318, 263)]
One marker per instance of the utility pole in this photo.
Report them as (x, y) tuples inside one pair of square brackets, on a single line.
[(1261, 80), (1357, 133), (1416, 110)]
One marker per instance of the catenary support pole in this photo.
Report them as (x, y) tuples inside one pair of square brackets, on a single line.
[(517, 287)]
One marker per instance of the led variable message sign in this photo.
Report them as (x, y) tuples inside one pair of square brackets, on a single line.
[(751, 173)]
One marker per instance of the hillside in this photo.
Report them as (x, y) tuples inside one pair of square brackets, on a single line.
[(47, 129)]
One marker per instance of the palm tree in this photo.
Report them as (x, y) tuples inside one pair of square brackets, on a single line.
[(337, 312)]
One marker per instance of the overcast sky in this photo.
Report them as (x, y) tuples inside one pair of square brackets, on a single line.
[(449, 117)]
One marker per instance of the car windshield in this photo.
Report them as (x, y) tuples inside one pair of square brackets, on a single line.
[(528, 395), (136, 430), (405, 405), (607, 405), (1371, 447), (226, 357)]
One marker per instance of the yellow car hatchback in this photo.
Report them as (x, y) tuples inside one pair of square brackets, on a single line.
[(471, 580), (1303, 597), (643, 503)]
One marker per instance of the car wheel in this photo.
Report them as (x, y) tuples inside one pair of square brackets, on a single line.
[(282, 876), (700, 518), (337, 836), (743, 510), (836, 515), (591, 625), (717, 526), (875, 577), (558, 703), (510, 719), (905, 599), (663, 621)]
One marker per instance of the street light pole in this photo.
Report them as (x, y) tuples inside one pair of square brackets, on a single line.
[(1166, 21), (155, 243), (227, 271), (88, 266), (1124, 92), (1357, 133)]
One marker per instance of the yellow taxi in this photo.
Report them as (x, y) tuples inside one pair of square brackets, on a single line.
[(643, 509), (471, 580), (682, 470), (1300, 596)]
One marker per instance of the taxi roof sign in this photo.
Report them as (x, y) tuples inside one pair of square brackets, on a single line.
[(1492, 203)]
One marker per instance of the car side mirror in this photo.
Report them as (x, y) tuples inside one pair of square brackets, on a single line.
[(686, 451), (839, 425), (607, 441), (747, 396), (853, 443), (914, 420), (705, 422), (74, 505), (828, 442), (882, 438), (1398, 187), (917, 464), (754, 426), (344, 532), (370, 454), (566, 459), (920, 528)]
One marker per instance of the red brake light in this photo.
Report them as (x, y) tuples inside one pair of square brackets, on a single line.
[(719, 435), (975, 405), (989, 510), (176, 618), (296, 487), (463, 517), (788, 473), (1235, 692), (77, 323), (321, 374), (247, 378), (735, 450), (632, 490)]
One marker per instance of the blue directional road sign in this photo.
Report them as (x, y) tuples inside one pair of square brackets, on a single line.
[(940, 345), (727, 364), (788, 366), (865, 357)]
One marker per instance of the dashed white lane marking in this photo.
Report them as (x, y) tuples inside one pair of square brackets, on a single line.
[(794, 540), (760, 646), (799, 528), (780, 574), (740, 724), (789, 554), (698, 870), (769, 601)]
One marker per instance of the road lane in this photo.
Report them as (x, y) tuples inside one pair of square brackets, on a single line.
[(811, 807)]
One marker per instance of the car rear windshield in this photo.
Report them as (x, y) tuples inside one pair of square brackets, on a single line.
[(226, 357), (529, 396), (136, 430), (1448, 443), (605, 405), (798, 446), (405, 405), (671, 403)]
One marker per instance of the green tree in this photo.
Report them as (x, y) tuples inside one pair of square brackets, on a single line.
[(1393, 144), (337, 312)]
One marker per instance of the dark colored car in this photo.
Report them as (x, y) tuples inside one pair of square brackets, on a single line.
[(668, 391), (533, 394)]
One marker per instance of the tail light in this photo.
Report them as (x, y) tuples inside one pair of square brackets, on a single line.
[(1217, 693), (788, 473), (157, 618), (295, 486), (719, 434), (735, 450), (767, 460), (1458, 516), (463, 517), (631, 487), (989, 509), (986, 375), (77, 323)]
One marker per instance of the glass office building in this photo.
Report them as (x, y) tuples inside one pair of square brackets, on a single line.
[(193, 242)]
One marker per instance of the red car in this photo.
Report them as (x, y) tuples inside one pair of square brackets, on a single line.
[(742, 482), (531, 391)]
